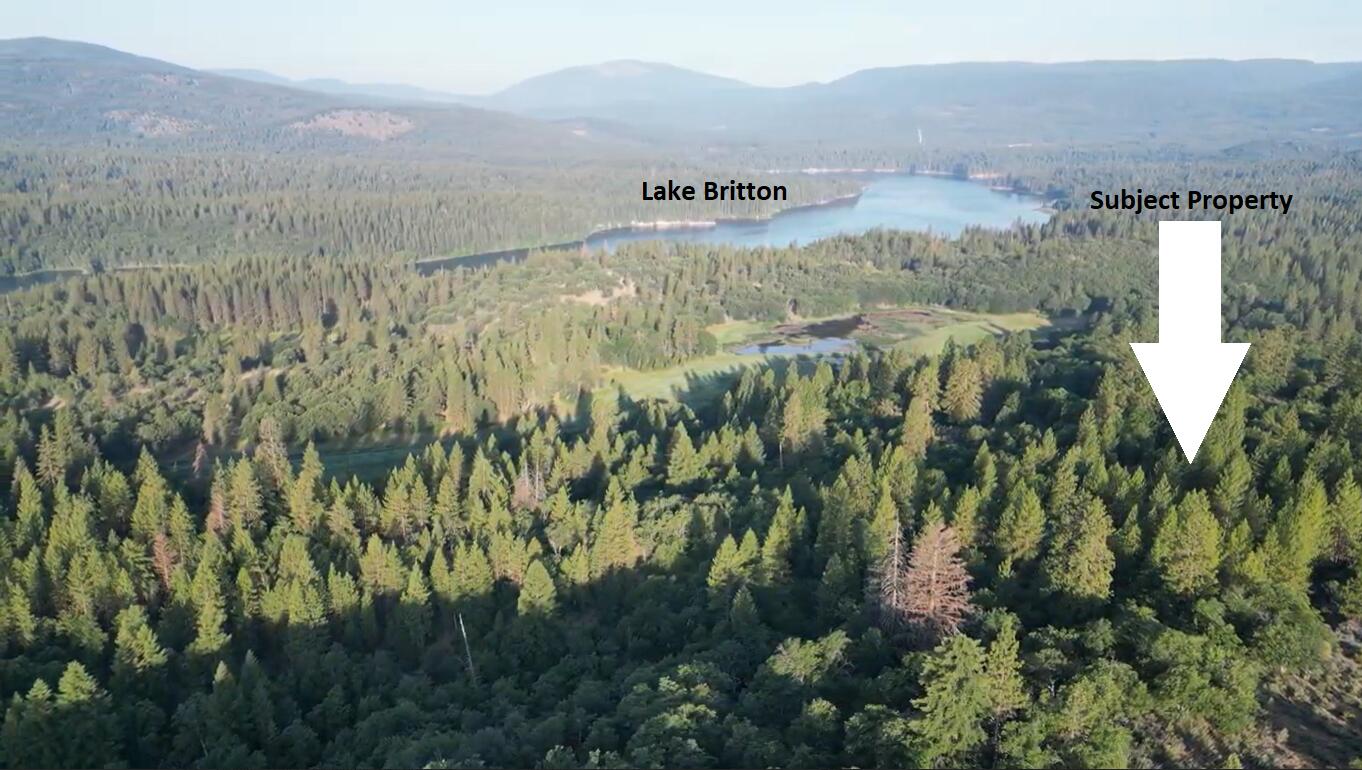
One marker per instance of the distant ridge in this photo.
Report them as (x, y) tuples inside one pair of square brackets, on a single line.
[(62, 92), (615, 83), (393, 91), (61, 89)]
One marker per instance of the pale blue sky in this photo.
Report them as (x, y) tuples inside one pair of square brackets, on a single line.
[(477, 47)]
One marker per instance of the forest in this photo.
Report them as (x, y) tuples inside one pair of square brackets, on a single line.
[(993, 556), (64, 208)]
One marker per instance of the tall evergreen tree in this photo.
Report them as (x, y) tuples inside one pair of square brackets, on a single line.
[(1186, 549), (953, 706)]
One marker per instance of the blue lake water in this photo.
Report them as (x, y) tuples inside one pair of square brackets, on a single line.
[(889, 201), (815, 347)]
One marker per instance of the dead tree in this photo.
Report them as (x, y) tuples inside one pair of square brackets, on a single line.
[(889, 584), (928, 593)]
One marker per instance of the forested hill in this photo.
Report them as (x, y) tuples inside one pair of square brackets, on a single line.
[(612, 87), (984, 554), (60, 93), (1196, 103), (991, 557), (71, 92)]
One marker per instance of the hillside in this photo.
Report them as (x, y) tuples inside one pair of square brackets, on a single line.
[(611, 89), (969, 105), (394, 91), (67, 93), (73, 93)]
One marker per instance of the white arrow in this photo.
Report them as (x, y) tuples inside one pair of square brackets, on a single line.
[(1189, 368)]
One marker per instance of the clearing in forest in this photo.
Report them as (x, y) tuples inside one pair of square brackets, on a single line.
[(920, 330)]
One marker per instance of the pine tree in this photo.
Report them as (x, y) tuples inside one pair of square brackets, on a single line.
[(836, 532), (1299, 535), (538, 596), (1080, 563), (926, 385), (244, 505), (150, 512), (412, 620), (1063, 483), (918, 430), (305, 507), (615, 544), (271, 457), (937, 584), (68, 731), (725, 570), (1186, 549), (685, 467), (210, 638), (31, 518), (1236, 479), (964, 390), (965, 516), (837, 592), (1345, 520), (781, 536), (1006, 686), (954, 704), (883, 527), (447, 511), (1020, 529), (53, 458), (473, 579), (889, 577), (29, 736), (802, 420), (380, 567), (749, 557)]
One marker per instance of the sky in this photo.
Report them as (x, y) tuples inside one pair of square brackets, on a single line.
[(479, 47)]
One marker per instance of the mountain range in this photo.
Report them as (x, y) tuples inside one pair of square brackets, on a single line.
[(68, 91), (393, 91)]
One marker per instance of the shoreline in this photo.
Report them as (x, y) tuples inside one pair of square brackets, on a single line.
[(432, 264)]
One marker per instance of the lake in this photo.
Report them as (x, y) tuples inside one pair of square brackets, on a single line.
[(819, 346), (889, 201), (9, 283)]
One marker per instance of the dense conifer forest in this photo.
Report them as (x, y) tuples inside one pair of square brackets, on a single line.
[(63, 208), (992, 556)]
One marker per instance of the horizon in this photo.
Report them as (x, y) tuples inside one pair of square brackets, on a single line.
[(228, 70), (766, 43)]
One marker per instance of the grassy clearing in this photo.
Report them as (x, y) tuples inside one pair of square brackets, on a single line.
[(927, 333), (695, 379), (921, 330), (737, 332)]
